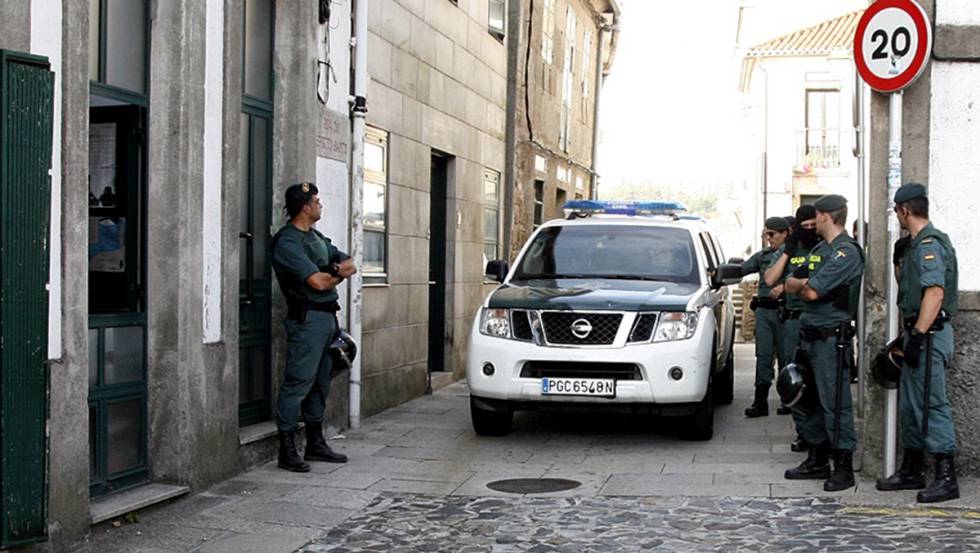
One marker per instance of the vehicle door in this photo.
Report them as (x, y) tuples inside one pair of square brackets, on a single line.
[(716, 298)]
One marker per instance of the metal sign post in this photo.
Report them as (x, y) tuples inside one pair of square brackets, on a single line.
[(892, 44)]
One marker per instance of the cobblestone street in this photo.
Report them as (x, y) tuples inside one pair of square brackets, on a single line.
[(418, 475)]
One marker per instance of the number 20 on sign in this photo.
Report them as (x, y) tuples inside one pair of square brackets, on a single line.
[(892, 44)]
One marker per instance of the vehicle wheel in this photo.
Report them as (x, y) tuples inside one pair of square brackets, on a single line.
[(724, 384), (490, 423), (701, 425)]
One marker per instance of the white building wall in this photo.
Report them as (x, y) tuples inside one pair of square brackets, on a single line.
[(958, 12), (780, 128), (954, 159), (46, 41), (213, 155), (332, 177)]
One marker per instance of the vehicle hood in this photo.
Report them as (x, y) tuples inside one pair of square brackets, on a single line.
[(593, 294)]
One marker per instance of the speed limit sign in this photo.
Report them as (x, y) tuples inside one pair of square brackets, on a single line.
[(892, 44)]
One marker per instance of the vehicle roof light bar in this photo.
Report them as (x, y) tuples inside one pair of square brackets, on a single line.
[(586, 208)]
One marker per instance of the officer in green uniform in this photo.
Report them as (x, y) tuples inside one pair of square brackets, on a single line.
[(829, 286), (309, 269), (927, 298), (803, 237), (768, 330)]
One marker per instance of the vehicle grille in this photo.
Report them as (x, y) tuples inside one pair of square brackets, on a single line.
[(643, 328), (558, 327), (567, 369), (521, 325)]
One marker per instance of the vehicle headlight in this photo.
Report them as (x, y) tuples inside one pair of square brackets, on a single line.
[(676, 326), (495, 322)]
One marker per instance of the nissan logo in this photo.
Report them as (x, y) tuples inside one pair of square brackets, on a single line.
[(581, 329)]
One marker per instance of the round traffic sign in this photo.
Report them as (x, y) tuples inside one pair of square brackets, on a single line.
[(892, 44)]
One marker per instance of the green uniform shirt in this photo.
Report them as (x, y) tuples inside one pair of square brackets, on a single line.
[(794, 262), (832, 265), (297, 255), (929, 261), (758, 263)]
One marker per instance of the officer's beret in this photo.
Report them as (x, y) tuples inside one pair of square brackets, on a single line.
[(910, 191), (830, 202), (776, 223), (805, 212), (298, 195)]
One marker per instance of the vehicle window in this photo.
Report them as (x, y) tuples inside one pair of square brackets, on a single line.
[(611, 251), (709, 251), (719, 254)]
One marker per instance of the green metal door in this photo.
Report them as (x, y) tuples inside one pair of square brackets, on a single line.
[(26, 103)]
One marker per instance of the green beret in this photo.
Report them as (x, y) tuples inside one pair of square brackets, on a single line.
[(777, 223), (830, 202), (910, 191)]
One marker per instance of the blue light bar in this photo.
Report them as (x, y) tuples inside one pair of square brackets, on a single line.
[(592, 207)]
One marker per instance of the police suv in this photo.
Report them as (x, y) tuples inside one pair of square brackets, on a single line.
[(620, 307)]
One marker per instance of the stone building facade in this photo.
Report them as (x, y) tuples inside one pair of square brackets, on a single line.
[(940, 148), (176, 127), (562, 62), (433, 188)]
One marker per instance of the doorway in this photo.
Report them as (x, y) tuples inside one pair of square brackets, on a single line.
[(117, 314), (438, 214)]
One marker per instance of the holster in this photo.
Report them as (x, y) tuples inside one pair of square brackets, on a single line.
[(786, 314), (296, 307), (938, 324)]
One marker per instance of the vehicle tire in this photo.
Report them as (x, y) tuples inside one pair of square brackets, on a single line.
[(724, 384), (701, 425), (490, 423)]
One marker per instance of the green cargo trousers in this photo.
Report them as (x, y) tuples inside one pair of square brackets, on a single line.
[(942, 433), (768, 344), (306, 380), (819, 426)]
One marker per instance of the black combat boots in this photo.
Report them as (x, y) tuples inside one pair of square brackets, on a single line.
[(288, 456), (759, 407), (814, 468), (911, 475), (842, 476), (944, 487), (317, 448)]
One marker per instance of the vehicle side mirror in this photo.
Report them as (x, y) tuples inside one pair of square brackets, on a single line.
[(736, 260), (726, 275), (497, 270)]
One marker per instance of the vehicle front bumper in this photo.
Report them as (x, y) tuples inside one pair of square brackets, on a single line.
[(652, 392)]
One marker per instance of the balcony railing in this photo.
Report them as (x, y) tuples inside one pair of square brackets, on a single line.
[(817, 148)]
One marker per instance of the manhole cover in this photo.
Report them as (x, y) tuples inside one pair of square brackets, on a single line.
[(533, 485)]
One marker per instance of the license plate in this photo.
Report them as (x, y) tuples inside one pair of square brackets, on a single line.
[(578, 387)]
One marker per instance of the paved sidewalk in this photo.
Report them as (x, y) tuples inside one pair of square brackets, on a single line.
[(426, 449)]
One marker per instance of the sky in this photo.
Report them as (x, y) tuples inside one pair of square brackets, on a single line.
[(670, 110)]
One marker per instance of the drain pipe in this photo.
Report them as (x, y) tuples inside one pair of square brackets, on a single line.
[(358, 114), (510, 128), (600, 75)]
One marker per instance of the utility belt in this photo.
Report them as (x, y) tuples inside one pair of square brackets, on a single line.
[(812, 334), (764, 303), (938, 324), (298, 306), (786, 314)]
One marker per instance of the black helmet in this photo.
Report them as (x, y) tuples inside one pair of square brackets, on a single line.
[(797, 388), (886, 369), (343, 351)]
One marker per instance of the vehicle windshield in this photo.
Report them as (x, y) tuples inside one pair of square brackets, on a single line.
[(625, 252)]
